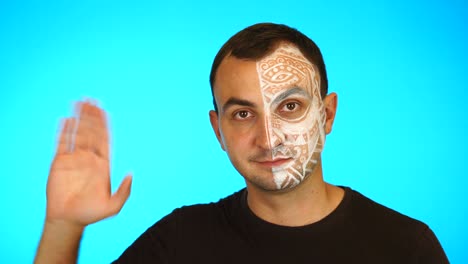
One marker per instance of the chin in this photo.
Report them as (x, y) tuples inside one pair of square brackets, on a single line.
[(268, 184)]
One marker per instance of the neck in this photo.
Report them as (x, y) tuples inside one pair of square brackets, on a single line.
[(307, 203)]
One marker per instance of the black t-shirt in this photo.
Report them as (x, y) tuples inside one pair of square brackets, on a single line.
[(357, 231)]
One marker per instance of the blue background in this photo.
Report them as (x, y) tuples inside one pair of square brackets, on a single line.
[(399, 68)]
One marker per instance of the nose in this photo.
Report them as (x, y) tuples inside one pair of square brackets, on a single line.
[(269, 134), (277, 136)]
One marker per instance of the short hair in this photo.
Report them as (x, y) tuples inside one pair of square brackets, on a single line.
[(259, 40)]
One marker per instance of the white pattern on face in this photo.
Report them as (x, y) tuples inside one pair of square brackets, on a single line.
[(287, 81)]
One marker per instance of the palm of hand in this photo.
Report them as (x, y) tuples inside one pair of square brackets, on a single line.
[(78, 189)]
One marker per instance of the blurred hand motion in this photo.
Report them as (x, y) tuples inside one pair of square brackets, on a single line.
[(78, 188)]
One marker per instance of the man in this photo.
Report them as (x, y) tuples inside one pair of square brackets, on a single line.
[(272, 114)]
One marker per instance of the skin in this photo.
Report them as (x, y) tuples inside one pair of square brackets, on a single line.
[(243, 129), (78, 187)]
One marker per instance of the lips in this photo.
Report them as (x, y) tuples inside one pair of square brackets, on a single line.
[(277, 162)]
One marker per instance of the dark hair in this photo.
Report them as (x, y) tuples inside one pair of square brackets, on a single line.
[(259, 40)]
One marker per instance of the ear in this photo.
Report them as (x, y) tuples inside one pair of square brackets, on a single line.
[(330, 103), (215, 125)]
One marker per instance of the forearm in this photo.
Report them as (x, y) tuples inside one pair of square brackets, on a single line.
[(59, 243)]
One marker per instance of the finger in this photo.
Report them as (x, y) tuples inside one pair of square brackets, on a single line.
[(88, 141), (92, 133), (92, 101), (100, 140), (120, 196), (91, 110), (65, 138), (62, 139), (81, 128)]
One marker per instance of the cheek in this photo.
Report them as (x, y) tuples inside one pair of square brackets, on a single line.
[(235, 139), (291, 130)]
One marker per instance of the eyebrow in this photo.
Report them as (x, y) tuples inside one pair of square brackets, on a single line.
[(237, 101), (287, 93)]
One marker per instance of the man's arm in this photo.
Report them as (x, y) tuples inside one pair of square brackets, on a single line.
[(78, 187), (59, 242)]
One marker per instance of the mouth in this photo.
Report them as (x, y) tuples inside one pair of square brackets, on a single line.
[(274, 163)]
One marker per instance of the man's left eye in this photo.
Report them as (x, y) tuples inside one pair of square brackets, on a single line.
[(289, 107)]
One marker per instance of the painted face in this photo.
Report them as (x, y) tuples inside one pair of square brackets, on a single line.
[(294, 111)]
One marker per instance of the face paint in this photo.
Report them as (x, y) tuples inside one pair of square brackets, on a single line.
[(295, 115)]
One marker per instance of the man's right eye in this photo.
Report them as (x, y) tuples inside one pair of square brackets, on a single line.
[(242, 115)]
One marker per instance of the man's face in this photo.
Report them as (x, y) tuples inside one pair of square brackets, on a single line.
[(271, 117)]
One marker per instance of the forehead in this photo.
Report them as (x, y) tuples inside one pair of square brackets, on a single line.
[(236, 78), (285, 67), (289, 52)]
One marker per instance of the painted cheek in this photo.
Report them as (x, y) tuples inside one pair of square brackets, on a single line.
[(298, 135)]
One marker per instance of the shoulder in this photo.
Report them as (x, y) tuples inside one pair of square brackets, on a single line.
[(181, 231), (197, 216), (215, 209), (389, 229), (374, 214), (376, 211)]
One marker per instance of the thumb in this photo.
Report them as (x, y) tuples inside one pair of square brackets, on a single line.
[(120, 196)]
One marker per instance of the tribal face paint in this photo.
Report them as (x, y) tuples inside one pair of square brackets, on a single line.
[(294, 113)]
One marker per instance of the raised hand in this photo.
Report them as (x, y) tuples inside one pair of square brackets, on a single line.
[(78, 189)]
